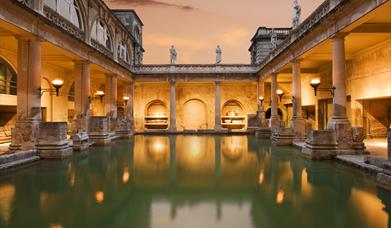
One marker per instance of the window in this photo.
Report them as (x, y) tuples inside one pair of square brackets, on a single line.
[(101, 34), (123, 52), (7, 78), (68, 9)]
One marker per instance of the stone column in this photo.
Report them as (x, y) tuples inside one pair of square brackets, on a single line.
[(339, 121), (172, 106), (111, 100), (261, 111), (274, 119), (218, 106), (297, 122), (82, 105), (125, 124), (26, 132)]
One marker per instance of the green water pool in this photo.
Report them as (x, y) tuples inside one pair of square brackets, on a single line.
[(190, 182)]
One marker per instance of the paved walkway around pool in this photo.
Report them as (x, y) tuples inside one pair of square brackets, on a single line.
[(377, 149)]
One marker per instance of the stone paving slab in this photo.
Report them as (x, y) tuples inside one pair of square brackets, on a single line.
[(359, 162)]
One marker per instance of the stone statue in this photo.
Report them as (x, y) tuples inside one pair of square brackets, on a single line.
[(273, 38), (218, 54), (173, 55), (296, 14)]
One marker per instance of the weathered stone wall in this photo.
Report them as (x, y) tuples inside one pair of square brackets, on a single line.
[(368, 75)]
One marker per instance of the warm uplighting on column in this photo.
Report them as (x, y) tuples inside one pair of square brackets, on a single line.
[(280, 93), (57, 83), (280, 197), (261, 99), (315, 83), (101, 94), (126, 99), (99, 196)]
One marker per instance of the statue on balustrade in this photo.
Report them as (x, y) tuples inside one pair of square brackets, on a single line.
[(218, 54), (173, 55), (296, 14), (273, 39)]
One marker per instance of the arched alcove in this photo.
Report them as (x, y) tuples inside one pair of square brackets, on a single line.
[(156, 116), (194, 115), (233, 115), (269, 113)]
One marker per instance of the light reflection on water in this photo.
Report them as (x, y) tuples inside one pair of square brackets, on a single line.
[(190, 181)]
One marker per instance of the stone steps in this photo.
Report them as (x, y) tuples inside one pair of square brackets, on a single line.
[(15, 159)]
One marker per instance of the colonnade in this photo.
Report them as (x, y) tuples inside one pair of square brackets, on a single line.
[(339, 121), (25, 134)]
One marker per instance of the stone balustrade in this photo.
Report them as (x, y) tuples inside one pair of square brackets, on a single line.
[(196, 69)]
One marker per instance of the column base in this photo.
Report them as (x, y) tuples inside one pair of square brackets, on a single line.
[(320, 145), (24, 136), (343, 132), (263, 133), (275, 124), (55, 151), (261, 118), (298, 126), (80, 141), (53, 142), (283, 137)]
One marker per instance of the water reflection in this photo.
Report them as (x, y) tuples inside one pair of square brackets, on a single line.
[(191, 181)]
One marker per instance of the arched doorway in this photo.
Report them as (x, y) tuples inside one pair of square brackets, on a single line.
[(194, 115), (268, 113)]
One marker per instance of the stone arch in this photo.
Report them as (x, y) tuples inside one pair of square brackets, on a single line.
[(156, 107), (110, 34), (194, 114), (8, 80), (269, 113), (232, 106)]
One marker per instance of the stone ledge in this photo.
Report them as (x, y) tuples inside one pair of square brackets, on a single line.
[(18, 158)]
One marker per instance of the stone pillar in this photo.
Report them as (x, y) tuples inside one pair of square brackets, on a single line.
[(111, 100), (172, 106), (26, 132), (125, 124), (261, 111), (82, 105), (389, 143), (274, 119), (339, 121), (297, 122), (218, 106)]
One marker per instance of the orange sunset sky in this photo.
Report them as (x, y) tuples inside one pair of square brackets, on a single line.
[(195, 27)]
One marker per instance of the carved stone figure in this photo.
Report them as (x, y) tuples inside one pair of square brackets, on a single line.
[(218, 54), (273, 39), (296, 14), (173, 55)]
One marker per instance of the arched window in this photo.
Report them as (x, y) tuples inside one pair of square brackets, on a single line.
[(100, 33), (137, 34), (123, 52), (69, 9), (7, 78)]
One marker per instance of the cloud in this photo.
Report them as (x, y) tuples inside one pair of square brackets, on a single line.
[(150, 3)]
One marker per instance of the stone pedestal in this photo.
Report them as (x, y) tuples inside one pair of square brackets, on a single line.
[(383, 180), (98, 130), (343, 131), (263, 133), (358, 136), (283, 137), (124, 128), (298, 126), (24, 136), (320, 144), (53, 142), (261, 118), (80, 133)]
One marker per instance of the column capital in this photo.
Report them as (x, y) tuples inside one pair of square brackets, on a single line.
[(172, 81), (82, 61), (28, 38), (296, 61), (111, 75), (340, 35)]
